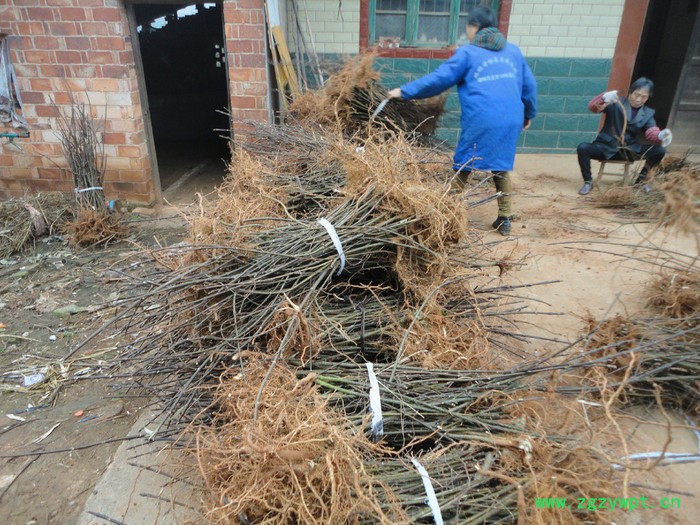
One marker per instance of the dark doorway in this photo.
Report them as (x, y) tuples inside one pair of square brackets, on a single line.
[(183, 57), (663, 49)]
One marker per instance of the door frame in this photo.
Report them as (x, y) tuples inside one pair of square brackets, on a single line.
[(141, 83), (143, 97), (694, 36)]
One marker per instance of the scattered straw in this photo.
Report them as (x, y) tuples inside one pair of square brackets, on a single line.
[(26, 219)]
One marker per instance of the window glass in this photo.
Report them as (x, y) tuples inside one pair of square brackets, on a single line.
[(433, 21), (391, 18)]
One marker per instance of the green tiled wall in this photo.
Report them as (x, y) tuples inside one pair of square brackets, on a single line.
[(565, 86)]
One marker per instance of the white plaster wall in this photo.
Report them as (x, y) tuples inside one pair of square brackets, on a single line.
[(566, 28), (334, 24)]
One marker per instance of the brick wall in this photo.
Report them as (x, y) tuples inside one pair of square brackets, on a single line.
[(62, 49), (244, 27), (83, 49)]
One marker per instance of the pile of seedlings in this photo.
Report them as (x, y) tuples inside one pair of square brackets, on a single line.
[(348, 100), (670, 197), (333, 345)]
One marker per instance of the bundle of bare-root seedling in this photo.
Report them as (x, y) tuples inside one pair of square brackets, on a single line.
[(83, 150), (296, 462), (671, 197), (349, 98), (251, 296), (26, 219), (659, 348), (483, 432)]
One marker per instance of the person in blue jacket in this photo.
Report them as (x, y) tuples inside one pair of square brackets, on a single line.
[(498, 95)]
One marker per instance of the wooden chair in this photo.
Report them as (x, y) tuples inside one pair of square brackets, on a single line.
[(626, 174)]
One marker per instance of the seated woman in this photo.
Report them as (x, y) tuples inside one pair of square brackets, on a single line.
[(620, 136)]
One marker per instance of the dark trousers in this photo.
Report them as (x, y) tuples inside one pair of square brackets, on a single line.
[(501, 179), (592, 150)]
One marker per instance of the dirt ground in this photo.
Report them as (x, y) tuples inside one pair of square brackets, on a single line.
[(50, 299)]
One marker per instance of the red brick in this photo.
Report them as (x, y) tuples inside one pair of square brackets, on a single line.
[(104, 84), (132, 176), (33, 97), (107, 14), (51, 173), (113, 43), (114, 138), (41, 84), (129, 151), (115, 71), (141, 164), (44, 14), (242, 102), (249, 4), (252, 61), (72, 14), (30, 28), (241, 75), (69, 57), (83, 71), (99, 57), (47, 42), (75, 84), (240, 46), (251, 31), (94, 28), (126, 57), (46, 149), (39, 57), (50, 70), (237, 17), (47, 111), (63, 28), (50, 185), (62, 98), (127, 126), (80, 43)]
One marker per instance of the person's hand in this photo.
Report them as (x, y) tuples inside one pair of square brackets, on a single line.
[(395, 93), (665, 136), (527, 124), (610, 96)]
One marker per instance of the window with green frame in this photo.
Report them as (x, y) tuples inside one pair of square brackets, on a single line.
[(423, 23)]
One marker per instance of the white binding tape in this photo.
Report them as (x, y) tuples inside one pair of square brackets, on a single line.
[(93, 188), (336, 242), (431, 498), (375, 404)]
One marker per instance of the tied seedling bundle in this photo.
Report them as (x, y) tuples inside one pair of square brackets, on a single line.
[(297, 462), (83, 149), (260, 295), (349, 98)]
